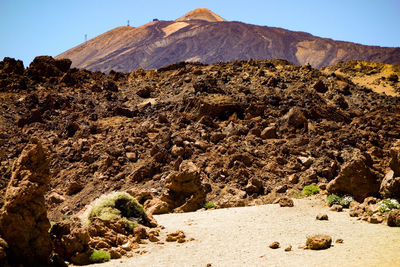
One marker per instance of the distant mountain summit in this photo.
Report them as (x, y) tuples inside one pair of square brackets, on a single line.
[(201, 35), (201, 14)]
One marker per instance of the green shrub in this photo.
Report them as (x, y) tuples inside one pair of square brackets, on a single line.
[(333, 199), (129, 225), (388, 205), (310, 190), (115, 206), (209, 205), (343, 201), (98, 256)]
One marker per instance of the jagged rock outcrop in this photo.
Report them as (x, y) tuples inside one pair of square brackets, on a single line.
[(185, 191), (395, 162), (23, 217), (390, 186), (356, 177), (394, 218), (43, 67)]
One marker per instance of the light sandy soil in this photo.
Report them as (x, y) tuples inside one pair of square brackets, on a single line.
[(240, 237)]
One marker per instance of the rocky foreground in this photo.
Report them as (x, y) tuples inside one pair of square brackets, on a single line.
[(234, 134)]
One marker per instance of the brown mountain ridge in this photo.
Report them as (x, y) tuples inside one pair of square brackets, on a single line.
[(203, 36)]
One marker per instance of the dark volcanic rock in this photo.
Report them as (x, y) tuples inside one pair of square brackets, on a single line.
[(13, 66), (356, 178), (253, 141), (318, 242), (43, 67), (394, 218), (185, 191), (23, 218)]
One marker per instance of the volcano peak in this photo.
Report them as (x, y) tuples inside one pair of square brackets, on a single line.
[(201, 14)]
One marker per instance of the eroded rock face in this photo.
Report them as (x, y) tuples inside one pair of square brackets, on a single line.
[(185, 191), (390, 186), (356, 178), (395, 162), (394, 218), (13, 66), (23, 218), (71, 242), (45, 66)]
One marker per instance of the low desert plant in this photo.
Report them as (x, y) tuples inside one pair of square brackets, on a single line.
[(333, 199), (388, 205), (310, 190), (345, 201), (209, 205), (99, 256), (115, 206), (129, 225)]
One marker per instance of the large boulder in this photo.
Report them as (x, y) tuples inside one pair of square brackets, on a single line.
[(13, 66), (217, 105), (71, 241), (356, 178), (390, 186), (43, 67), (294, 119), (11, 75), (394, 218), (23, 218), (318, 242), (185, 191), (395, 162)]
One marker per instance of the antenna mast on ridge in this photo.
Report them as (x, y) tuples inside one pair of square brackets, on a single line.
[(85, 38), (128, 22)]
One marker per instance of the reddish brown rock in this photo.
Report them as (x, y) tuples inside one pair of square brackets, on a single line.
[(13, 66), (3, 249), (322, 217), (23, 218), (178, 236), (393, 218), (294, 119), (274, 245), (390, 185), (156, 206), (71, 241), (286, 202), (356, 178), (318, 242), (336, 207), (255, 186), (185, 191), (268, 133), (395, 161)]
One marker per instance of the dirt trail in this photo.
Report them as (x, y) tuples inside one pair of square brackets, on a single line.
[(240, 237)]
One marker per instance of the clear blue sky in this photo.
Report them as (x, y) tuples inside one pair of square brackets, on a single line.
[(29, 28)]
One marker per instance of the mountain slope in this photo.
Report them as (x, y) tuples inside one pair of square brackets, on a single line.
[(203, 36)]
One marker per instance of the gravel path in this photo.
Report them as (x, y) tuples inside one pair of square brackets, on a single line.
[(240, 237)]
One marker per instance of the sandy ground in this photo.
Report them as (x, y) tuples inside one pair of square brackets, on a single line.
[(240, 237)]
